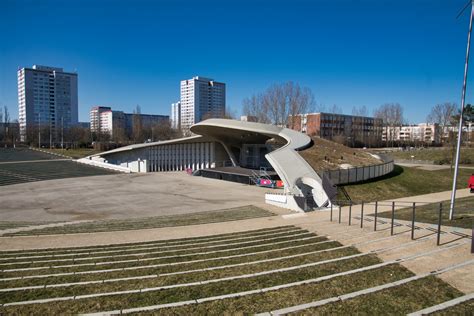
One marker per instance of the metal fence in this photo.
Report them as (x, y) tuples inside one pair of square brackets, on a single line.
[(373, 219), (357, 174)]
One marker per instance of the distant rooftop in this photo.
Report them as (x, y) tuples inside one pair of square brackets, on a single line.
[(203, 78), (47, 68)]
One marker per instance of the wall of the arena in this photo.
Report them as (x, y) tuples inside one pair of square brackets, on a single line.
[(135, 159), (357, 174), (170, 157), (177, 157)]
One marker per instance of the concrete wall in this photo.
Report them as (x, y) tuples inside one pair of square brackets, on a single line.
[(176, 157), (357, 174)]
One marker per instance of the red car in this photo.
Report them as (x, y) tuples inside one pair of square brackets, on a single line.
[(470, 184)]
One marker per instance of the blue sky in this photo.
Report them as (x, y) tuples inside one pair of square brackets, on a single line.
[(350, 53)]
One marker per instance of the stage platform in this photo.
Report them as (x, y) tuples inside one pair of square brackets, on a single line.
[(234, 174)]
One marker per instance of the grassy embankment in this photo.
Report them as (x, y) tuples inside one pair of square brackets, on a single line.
[(442, 156), (328, 155), (463, 215), (404, 182)]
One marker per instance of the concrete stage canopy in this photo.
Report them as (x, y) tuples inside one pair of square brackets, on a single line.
[(220, 141)]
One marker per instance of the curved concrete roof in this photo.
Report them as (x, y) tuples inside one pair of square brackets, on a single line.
[(221, 128), (137, 146), (290, 166)]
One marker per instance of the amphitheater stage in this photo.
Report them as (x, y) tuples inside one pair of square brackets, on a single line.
[(234, 174)]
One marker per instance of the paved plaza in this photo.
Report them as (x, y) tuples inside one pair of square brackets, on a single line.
[(121, 196)]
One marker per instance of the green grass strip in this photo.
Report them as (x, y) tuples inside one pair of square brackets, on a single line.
[(276, 251), (465, 308), (52, 251), (226, 287), (400, 300), (143, 251), (171, 258), (232, 214), (429, 213), (174, 279)]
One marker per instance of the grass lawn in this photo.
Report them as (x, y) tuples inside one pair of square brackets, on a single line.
[(326, 155), (464, 213), (400, 300), (238, 213), (74, 153), (441, 155), (403, 182)]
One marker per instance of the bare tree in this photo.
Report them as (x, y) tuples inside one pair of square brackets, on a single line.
[(2, 132), (335, 109), (359, 132), (300, 101), (442, 115), (255, 107), (392, 116), (359, 111), (6, 115), (228, 114), (164, 131), (335, 128), (6, 124), (137, 125), (280, 104)]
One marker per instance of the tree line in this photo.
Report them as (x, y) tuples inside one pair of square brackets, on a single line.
[(281, 103)]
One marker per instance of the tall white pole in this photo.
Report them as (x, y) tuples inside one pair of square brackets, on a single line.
[(463, 99)]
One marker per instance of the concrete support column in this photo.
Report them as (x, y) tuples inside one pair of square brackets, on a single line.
[(165, 158), (193, 156), (207, 156), (178, 157), (175, 158), (185, 155), (202, 160), (182, 157), (160, 157), (152, 159), (168, 157), (156, 158), (212, 155)]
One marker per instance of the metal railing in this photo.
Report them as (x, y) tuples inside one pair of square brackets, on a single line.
[(392, 208)]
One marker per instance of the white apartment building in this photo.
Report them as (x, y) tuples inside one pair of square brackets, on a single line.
[(101, 119), (47, 98), (176, 115), (422, 133), (450, 132), (201, 98), (104, 120)]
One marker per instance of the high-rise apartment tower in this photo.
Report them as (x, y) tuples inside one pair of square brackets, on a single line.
[(47, 100), (201, 98)]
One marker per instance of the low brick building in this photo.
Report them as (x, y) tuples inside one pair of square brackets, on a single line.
[(355, 131)]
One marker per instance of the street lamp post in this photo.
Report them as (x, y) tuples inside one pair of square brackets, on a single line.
[(463, 99)]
